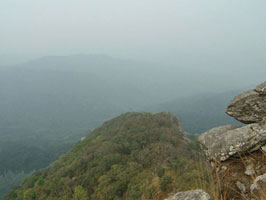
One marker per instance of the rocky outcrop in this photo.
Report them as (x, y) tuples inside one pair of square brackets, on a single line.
[(227, 141), (237, 154), (250, 106), (261, 89), (190, 195)]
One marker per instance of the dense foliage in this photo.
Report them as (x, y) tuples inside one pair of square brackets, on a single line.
[(134, 156)]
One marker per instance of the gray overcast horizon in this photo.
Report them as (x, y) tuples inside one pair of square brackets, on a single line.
[(229, 32)]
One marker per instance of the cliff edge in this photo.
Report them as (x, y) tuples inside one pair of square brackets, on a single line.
[(237, 154)]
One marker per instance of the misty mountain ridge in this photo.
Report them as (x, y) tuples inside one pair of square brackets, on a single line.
[(48, 104), (76, 62), (199, 113), (9, 60), (149, 75), (58, 85), (103, 100)]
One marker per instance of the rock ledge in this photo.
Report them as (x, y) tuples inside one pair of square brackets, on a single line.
[(190, 195)]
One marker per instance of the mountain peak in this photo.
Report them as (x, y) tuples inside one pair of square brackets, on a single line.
[(133, 156)]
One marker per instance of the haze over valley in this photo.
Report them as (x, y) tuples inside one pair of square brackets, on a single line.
[(67, 67)]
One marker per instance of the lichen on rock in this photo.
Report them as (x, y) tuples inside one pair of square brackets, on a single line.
[(261, 89), (190, 195), (226, 141), (259, 183), (250, 106)]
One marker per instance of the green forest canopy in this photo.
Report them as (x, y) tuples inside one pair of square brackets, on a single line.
[(134, 156)]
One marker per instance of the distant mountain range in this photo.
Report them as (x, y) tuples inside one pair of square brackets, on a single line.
[(199, 113), (49, 104), (12, 59)]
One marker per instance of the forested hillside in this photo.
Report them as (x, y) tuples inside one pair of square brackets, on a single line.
[(134, 156)]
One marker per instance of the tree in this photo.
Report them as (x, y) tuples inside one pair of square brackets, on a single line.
[(164, 182), (29, 194), (134, 192), (80, 193)]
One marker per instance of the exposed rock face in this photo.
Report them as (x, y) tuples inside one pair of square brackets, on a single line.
[(263, 148), (250, 106), (190, 195), (261, 89), (237, 154), (226, 141), (259, 183)]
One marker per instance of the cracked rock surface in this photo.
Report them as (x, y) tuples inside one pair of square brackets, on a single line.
[(190, 195), (250, 106), (223, 142)]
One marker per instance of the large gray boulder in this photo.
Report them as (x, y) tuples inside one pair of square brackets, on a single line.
[(250, 106), (223, 142), (190, 195)]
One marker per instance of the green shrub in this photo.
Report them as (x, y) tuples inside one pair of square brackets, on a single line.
[(134, 192), (80, 193), (164, 182), (161, 172)]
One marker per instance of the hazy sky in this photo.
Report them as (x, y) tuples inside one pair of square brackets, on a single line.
[(144, 29)]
